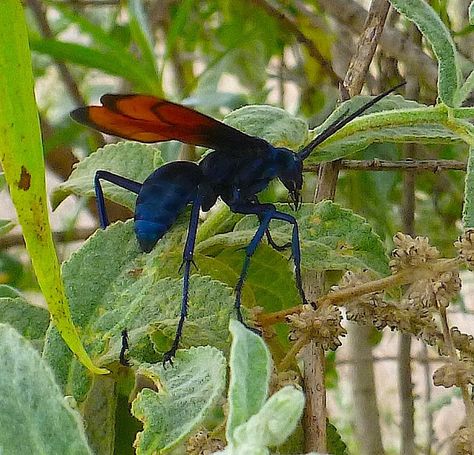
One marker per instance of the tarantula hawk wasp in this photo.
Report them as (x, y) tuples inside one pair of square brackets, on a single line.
[(238, 168)]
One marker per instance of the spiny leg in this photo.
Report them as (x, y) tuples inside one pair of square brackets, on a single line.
[(187, 261), (118, 180), (264, 213), (295, 250), (249, 251)]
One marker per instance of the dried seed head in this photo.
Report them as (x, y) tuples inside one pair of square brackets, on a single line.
[(455, 373), (433, 292), (322, 325), (360, 309), (465, 246), (462, 441), (411, 252), (462, 341), (202, 443)]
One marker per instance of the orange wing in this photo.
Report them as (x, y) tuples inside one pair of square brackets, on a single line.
[(145, 118)]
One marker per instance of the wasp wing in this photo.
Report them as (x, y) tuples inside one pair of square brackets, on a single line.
[(146, 118)]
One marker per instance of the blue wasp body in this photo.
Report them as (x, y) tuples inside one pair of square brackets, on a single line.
[(238, 168)]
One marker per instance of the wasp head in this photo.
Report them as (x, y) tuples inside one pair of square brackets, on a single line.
[(290, 173)]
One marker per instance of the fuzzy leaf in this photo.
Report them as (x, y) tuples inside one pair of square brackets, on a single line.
[(436, 33), (468, 209), (273, 423), (29, 320), (186, 394), (393, 119), (271, 123), (129, 159), (332, 238), (128, 289), (250, 368), (35, 418)]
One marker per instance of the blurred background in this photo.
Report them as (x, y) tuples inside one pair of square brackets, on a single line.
[(219, 55)]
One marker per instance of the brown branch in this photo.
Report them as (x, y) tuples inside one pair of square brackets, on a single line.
[(405, 375), (402, 165), (86, 2), (393, 42), (10, 240), (368, 40), (291, 25)]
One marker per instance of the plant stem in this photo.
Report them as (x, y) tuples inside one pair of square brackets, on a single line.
[(466, 396), (405, 276)]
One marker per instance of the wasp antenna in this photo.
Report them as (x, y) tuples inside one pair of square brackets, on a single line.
[(342, 121)]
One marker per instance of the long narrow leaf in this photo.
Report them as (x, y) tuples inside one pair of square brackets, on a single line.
[(468, 209), (106, 61), (434, 30), (21, 156), (142, 37)]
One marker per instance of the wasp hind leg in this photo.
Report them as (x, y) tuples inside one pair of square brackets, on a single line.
[(187, 263), (118, 180)]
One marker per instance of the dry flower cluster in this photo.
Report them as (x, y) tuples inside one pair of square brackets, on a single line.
[(201, 443), (429, 283)]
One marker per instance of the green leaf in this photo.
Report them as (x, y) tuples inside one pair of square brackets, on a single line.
[(332, 238), (10, 292), (32, 402), (467, 88), (98, 33), (436, 33), (21, 157), (128, 159), (268, 283), (272, 424), (250, 366), (275, 125), (6, 226), (107, 61), (29, 320), (129, 289), (219, 220), (335, 444), (186, 394), (468, 209), (142, 36), (392, 120)]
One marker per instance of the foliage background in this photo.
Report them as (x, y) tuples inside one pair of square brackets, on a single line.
[(218, 56)]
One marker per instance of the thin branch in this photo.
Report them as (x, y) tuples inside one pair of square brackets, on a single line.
[(405, 276), (390, 358), (291, 25), (393, 42), (98, 3), (401, 165), (368, 40), (10, 240)]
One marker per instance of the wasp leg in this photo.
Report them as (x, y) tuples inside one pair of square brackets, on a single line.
[(118, 180), (187, 262)]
